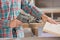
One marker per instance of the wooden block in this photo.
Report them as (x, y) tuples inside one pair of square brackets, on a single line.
[(35, 28), (36, 25), (52, 28), (25, 25)]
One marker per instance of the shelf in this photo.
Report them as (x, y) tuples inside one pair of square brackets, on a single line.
[(50, 10)]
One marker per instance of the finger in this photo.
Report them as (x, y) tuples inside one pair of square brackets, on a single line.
[(53, 21)]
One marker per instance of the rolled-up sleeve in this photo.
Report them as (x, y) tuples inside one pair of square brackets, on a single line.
[(35, 10), (32, 9), (38, 13)]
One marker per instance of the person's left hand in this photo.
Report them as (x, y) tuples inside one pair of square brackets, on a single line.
[(46, 18), (51, 20)]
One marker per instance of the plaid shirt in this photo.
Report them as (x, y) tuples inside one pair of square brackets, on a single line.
[(30, 8), (8, 8)]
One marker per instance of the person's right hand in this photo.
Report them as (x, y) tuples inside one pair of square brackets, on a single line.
[(15, 23)]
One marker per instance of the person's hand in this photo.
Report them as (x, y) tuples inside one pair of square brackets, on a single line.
[(15, 23), (46, 18), (51, 20)]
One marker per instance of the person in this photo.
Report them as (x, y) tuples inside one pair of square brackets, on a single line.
[(29, 7), (9, 10)]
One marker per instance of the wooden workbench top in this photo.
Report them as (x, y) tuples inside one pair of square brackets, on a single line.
[(32, 38)]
